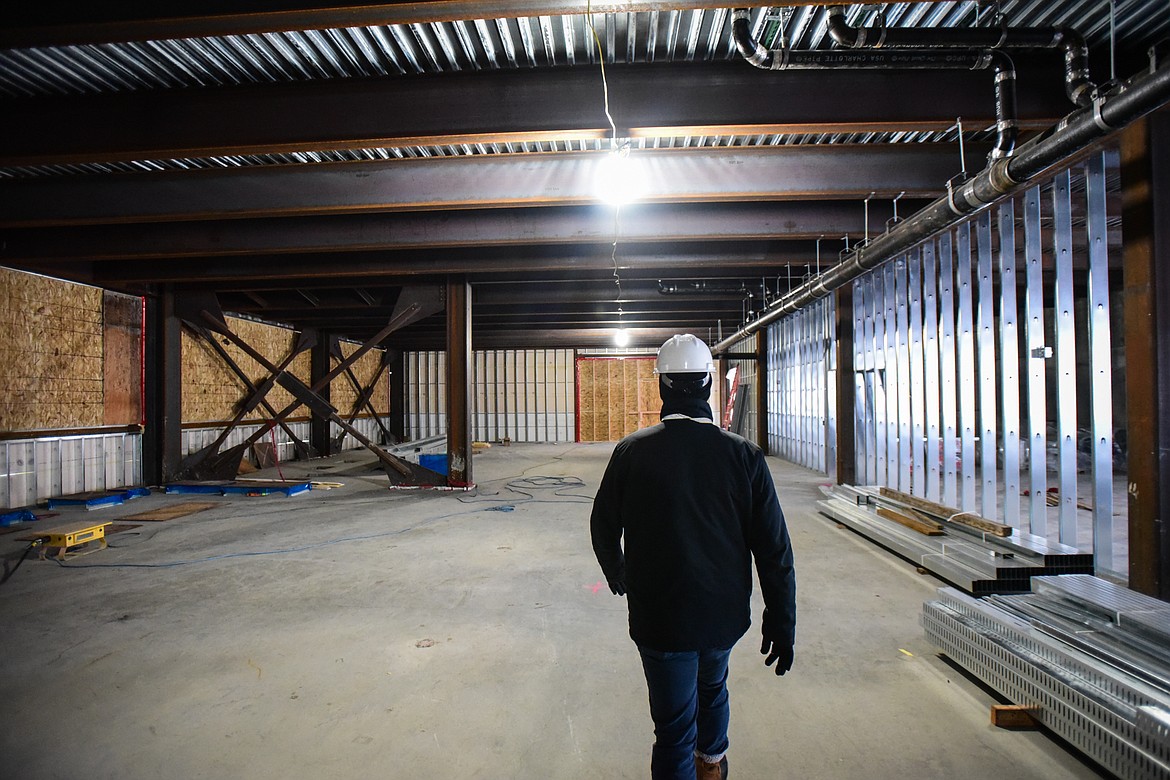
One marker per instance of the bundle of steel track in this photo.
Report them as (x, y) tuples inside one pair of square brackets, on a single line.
[(978, 561), (1089, 659)]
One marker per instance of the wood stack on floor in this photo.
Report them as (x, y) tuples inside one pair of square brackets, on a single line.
[(971, 552)]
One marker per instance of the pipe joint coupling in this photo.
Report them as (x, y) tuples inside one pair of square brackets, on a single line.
[(999, 178)]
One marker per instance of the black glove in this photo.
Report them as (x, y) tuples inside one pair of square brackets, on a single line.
[(617, 587), (777, 646)]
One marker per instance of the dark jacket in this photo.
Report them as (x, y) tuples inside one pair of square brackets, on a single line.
[(695, 504)]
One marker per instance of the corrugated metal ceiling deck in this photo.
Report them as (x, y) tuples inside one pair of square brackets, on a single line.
[(524, 42), (537, 42)]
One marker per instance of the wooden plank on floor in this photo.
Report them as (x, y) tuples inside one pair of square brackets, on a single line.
[(1013, 716), (165, 513)]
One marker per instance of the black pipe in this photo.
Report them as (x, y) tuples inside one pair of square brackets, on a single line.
[(1007, 128), (1138, 96), (784, 58), (1078, 85)]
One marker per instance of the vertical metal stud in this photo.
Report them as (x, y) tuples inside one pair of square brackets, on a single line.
[(965, 341), (947, 373), (917, 374), (860, 450), (1037, 354), (829, 372), (1009, 363), (905, 389), (892, 377), (867, 391), (880, 381), (1100, 365), (930, 368), (985, 327), (1066, 356)]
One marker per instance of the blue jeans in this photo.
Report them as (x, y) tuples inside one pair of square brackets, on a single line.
[(688, 702)]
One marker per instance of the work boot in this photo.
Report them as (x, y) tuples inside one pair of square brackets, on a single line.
[(705, 771)]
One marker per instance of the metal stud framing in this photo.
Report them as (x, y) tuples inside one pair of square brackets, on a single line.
[(985, 327), (1100, 360), (1066, 357), (943, 386), (1009, 365), (800, 413), (1037, 354), (946, 330), (520, 395)]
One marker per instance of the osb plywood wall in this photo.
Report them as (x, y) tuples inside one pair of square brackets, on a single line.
[(343, 394), (71, 357), (212, 392), (53, 343), (616, 397), (122, 358)]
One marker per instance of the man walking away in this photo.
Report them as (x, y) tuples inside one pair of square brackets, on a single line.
[(695, 504)]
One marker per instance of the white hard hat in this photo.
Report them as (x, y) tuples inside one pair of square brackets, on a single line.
[(684, 354)]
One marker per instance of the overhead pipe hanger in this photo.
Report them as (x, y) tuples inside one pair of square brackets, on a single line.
[(1078, 85), (905, 58)]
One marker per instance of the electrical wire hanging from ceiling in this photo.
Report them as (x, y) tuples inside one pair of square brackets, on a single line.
[(613, 144)]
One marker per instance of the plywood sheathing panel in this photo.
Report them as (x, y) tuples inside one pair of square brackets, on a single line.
[(617, 397), (342, 392), (50, 353), (211, 390), (122, 350)]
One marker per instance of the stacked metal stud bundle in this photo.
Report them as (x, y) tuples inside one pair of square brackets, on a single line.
[(977, 561), (1089, 659)]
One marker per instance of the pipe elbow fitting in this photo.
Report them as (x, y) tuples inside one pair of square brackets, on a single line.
[(840, 31)]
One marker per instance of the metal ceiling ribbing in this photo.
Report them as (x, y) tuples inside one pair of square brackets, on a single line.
[(523, 42), (526, 147), (404, 50)]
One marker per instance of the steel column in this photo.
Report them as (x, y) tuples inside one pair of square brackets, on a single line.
[(1146, 201), (459, 354), (398, 423), (320, 363), (846, 333), (863, 382), (162, 437)]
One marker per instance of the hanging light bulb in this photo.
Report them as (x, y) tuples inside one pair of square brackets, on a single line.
[(620, 337), (619, 178)]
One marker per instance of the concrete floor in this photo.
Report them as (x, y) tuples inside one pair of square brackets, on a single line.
[(424, 635)]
